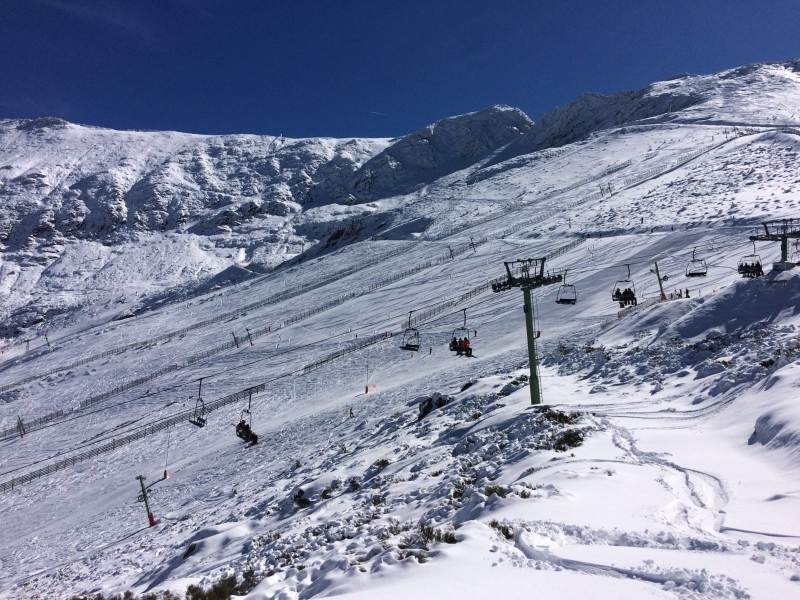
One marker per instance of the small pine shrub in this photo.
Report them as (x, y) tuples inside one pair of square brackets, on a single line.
[(425, 535), (381, 463), (220, 590), (327, 493), (499, 491), (560, 417), (525, 494), (300, 501), (571, 438), (503, 529), (458, 490)]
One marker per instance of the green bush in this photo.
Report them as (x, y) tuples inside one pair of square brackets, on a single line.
[(505, 530), (571, 438), (495, 489), (300, 501)]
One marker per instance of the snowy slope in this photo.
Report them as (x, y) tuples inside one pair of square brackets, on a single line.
[(668, 469)]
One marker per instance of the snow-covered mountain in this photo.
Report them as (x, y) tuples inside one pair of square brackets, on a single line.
[(666, 466), (72, 193)]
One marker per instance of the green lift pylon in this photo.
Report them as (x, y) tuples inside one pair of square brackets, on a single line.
[(536, 390)]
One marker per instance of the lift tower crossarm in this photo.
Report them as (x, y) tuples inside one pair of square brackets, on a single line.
[(780, 231)]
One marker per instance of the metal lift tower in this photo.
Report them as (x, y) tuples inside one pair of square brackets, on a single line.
[(780, 231)]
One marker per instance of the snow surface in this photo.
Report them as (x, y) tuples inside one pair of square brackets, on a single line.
[(686, 480)]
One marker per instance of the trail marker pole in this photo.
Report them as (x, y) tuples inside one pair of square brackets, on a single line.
[(536, 392), (46, 340), (248, 335), (166, 460), (235, 341), (143, 498), (20, 426)]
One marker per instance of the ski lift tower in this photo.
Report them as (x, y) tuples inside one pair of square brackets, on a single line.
[(528, 274), (780, 231)]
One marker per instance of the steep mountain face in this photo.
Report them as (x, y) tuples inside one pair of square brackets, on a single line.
[(439, 149)]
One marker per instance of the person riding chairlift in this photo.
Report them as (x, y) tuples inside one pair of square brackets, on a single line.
[(243, 431)]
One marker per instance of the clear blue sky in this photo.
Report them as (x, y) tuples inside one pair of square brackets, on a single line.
[(357, 68)]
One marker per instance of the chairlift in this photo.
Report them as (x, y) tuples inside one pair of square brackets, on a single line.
[(198, 418), (567, 293), (461, 334), (697, 267), (750, 265), (624, 291), (410, 337), (244, 429)]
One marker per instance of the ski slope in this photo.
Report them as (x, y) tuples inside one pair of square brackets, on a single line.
[(684, 480)]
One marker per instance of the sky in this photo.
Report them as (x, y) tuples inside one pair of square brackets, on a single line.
[(355, 68)]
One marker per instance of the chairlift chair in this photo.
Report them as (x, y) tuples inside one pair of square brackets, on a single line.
[(618, 292), (461, 333), (750, 265), (244, 428), (410, 337), (697, 267), (567, 293), (198, 418)]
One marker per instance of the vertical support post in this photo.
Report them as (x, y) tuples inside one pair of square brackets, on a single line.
[(784, 248), (27, 345), (536, 393), (660, 286), (143, 498), (20, 426), (235, 341), (46, 340), (249, 337)]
